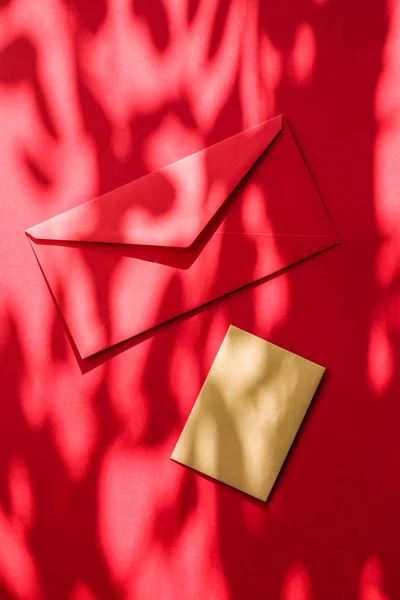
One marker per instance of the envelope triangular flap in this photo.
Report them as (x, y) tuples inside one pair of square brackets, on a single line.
[(168, 207)]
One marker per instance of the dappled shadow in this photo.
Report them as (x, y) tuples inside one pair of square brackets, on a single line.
[(18, 64), (57, 518), (90, 505)]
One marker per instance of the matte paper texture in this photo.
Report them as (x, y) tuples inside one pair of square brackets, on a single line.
[(248, 413), (239, 199), (93, 95)]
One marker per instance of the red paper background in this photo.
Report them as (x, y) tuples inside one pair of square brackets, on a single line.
[(93, 94)]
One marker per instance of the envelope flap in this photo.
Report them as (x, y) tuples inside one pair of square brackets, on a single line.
[(169, 207)]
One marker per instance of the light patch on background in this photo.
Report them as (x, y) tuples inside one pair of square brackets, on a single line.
[(387, 143), (387, 177), (74, 423), (143, 582), (127, 504), (209, 83), (252, 101), (371, 581), (70, 158), (127, 396), (271, 303), (303, 55), (34, 337), (387, 262), (158, 78), (108, 55), (271, 68), (193, 556), (48, 27), (18, 571), (297, 584), (124, 521), (81, 591), (381, 357), (21, 131), (75, 167)]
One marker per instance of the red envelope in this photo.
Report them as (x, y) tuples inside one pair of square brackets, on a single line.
[(169, 242)]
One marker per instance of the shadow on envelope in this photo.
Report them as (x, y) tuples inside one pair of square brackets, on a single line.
[(258, 189)]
